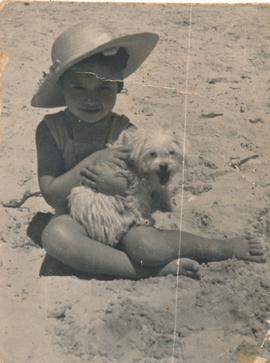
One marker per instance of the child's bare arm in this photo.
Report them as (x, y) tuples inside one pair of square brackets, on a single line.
[(56, 189)]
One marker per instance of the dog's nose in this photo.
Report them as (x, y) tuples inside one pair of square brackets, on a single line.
[(163, 167)]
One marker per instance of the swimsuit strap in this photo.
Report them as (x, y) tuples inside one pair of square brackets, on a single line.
[(59, 128)]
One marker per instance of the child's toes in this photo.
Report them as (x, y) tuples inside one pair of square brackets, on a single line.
[(183, 266), (189, 268), (256, 248), (256, 251), (189, 264), (257, 258), (192, 274)]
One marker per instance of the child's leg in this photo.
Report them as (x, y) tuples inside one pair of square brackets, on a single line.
[(66, 240), (153, 247)]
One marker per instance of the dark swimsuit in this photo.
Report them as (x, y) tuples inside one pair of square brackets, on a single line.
[(62, 141)]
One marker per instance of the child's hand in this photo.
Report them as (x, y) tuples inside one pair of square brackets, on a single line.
[(117, 156), (105, 178)]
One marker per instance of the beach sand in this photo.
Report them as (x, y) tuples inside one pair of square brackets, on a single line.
[(49, 314)]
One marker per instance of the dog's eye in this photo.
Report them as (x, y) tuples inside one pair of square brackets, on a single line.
[(172, 152), (153, 154)]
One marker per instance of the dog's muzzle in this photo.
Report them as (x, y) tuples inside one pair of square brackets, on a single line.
[(163, 174)]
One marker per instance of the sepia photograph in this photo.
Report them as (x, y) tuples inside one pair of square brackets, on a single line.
[(135, 196)]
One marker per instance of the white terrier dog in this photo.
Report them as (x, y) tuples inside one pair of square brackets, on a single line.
[(156, 157)]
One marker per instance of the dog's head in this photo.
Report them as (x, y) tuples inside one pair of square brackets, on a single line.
[(156, 154)]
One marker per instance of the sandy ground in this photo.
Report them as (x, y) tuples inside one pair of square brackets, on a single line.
[(46, 317)]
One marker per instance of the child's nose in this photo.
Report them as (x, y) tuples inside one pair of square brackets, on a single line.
[(90, 102), (91, 98)]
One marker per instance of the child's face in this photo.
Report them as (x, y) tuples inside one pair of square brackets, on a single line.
[(88, 97)]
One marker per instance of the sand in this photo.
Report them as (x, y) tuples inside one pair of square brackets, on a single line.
[(47, 313)]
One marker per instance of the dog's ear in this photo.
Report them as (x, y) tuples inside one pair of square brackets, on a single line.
[(125, 137), (122, 140)]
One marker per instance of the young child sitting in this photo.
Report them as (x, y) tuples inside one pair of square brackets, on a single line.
[(89, 66)]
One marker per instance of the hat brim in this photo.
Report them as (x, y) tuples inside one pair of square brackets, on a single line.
[(138, 47)]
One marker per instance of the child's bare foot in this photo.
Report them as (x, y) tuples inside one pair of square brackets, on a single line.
[(187, 267), (245, 249)]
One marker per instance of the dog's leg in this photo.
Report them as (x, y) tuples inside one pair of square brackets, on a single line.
[(141, 212), (160, 200), (165, 201)]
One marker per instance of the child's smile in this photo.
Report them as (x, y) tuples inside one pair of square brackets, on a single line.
[(89, 98)]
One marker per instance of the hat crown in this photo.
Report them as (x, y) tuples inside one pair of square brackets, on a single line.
[(78, 40)]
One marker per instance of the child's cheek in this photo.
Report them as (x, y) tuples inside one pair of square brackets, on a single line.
[(75, 98)]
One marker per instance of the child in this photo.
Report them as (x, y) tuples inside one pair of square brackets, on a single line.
[(87, 73)]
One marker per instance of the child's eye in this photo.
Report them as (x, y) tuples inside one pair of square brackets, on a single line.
[(172, 152)]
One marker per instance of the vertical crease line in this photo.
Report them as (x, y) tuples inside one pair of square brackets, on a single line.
[(183, 183)]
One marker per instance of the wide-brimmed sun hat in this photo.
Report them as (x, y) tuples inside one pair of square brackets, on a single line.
[(81, 42)]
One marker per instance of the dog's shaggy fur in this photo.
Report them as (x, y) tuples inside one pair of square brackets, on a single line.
[(155, 157)]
